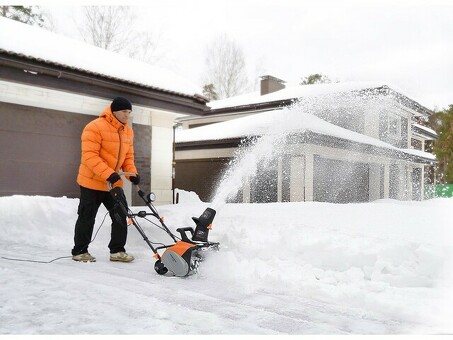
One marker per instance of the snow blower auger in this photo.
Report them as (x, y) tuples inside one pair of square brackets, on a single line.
[(182, 257)]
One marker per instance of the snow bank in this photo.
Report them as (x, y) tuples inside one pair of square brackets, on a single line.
[(183, 196)]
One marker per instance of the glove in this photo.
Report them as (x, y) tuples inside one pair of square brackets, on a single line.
[(113, 178), (135, 179)]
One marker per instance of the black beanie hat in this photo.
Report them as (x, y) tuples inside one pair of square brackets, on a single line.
[(120, 103)]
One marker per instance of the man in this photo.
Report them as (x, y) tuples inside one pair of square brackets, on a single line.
[(107, 147)]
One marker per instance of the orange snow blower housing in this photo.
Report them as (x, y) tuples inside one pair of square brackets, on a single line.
[(177, 258), (183, 258)]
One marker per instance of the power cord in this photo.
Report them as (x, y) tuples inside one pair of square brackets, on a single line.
[(58, 258), (35, 261)]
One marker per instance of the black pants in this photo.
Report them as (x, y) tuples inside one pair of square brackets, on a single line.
[(90, 201)]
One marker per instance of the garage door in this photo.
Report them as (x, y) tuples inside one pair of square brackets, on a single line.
[(340, 181), (40, 151)]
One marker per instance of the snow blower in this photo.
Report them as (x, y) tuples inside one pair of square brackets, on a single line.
[(183, 256)]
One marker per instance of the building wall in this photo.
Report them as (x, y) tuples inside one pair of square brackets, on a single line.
[(161, 163), (142, 150), (297, 178)]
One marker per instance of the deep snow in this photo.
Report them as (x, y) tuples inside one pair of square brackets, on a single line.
[(284, 268)]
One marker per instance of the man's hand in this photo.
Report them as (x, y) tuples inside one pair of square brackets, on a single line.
[(135, 179), (113, 178)]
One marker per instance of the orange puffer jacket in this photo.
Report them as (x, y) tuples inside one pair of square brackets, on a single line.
[(107, 147)]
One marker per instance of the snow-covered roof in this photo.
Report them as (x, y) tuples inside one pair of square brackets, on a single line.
[(40, 44), (297, 91), (281, 121), (419, 153), (426, 129)]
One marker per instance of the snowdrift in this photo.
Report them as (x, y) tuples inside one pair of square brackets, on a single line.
[(302, 268)]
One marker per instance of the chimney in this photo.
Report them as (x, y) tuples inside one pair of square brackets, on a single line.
[(271, 84)]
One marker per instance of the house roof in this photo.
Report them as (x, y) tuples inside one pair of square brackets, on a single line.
[(283, 121), (288, 95), (291, 93), (41, 45)]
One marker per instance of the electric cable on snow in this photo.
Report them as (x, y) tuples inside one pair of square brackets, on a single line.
[(36, 261), (58, 258)]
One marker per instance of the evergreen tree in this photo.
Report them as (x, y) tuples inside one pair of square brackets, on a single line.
[(27, 15), (442, 123), (210, 92), (316, 78)]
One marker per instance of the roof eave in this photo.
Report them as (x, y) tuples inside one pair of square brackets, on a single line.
[(60, 70), (194, 104), (424, 133)]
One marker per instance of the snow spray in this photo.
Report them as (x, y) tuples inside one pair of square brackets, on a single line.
[(263, 149)]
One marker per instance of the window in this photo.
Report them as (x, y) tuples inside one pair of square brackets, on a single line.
[(390, 127), (393, 126), (416, 144)]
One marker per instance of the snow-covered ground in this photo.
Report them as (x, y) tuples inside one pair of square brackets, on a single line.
[(290, 268)]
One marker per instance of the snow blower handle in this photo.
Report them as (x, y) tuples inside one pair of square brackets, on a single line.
[(148, 199), (109, 185)]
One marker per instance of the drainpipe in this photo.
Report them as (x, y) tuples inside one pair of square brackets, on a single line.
[(173, 168), (173, 165)]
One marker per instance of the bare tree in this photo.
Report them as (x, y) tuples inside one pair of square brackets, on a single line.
[(225, 67), (112, 28), (106, 26), (144, 47)]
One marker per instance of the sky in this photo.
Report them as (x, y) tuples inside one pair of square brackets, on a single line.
[(283, 268), (405, 43)]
